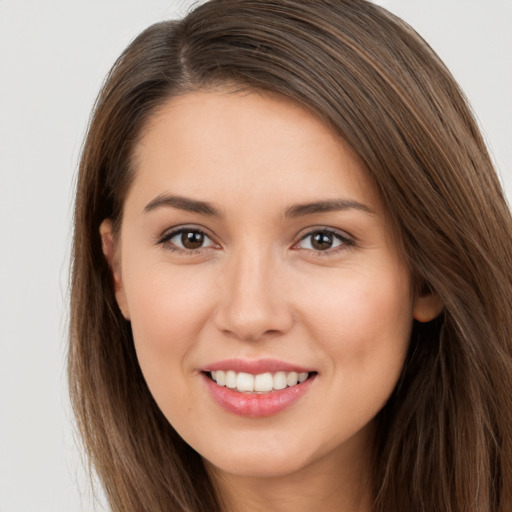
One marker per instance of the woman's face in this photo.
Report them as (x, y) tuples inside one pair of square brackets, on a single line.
[(254, 251)]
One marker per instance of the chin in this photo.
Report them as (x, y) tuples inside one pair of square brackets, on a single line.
[(273, 457), (263, 465)]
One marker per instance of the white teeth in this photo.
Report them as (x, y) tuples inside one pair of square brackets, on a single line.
[(245, 382), (292, 378), (231, 379), (279, 380), (261, 383), (220, 377)]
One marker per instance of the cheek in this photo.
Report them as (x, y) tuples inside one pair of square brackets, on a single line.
[(363, 322), (363, 325), (167, 309)]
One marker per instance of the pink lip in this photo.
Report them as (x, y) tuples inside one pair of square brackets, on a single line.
[(255, 366), (256, 405)]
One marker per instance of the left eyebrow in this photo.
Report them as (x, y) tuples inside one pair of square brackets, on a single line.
[(331, 205)]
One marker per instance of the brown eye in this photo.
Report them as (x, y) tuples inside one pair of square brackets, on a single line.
[(192, 239), (323, 240), (187, 239)]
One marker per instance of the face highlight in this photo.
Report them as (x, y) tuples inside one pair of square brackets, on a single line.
[(271, 311)]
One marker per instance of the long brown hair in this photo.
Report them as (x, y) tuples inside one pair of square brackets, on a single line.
[(444, 439)]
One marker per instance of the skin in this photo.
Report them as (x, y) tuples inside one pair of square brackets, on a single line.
[(258, 288)]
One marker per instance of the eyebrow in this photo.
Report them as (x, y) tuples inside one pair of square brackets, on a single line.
[(182, 203), (331, 205), (298, 210)]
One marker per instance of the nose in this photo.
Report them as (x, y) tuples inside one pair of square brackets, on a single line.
[(253, 302)]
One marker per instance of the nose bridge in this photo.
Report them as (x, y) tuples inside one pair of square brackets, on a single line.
[(253, 302)]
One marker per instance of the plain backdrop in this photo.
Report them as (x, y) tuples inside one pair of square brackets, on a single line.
[(53, 57)]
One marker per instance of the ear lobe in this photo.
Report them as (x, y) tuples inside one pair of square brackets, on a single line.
[(108, 246), (427, 306)]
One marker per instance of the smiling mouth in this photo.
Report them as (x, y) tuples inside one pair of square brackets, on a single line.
[(260, 383)]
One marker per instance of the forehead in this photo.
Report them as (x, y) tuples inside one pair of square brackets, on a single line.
[(210, 142)]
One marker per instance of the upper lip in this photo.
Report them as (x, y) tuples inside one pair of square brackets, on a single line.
[(255, 366)]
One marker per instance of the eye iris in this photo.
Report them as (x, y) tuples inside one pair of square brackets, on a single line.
[(192, 239), (322, 241)]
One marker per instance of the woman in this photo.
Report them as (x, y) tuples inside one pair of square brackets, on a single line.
[(291, 274)]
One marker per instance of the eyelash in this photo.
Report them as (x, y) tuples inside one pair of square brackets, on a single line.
[(345, 241), (165, 240)]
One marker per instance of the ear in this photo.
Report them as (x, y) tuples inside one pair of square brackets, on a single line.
[(427, 306), (108, 245)]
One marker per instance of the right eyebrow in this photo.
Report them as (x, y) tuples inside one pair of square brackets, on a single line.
[(182, 203)]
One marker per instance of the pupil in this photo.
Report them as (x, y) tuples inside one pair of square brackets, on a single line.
[(322, 241), (192, 239)]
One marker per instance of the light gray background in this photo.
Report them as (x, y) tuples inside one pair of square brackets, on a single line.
[(53, 57)]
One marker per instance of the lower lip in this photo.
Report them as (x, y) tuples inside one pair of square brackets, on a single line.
[(257, 405)]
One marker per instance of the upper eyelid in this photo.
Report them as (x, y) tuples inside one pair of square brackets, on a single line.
[(303, 233), (175, 230)]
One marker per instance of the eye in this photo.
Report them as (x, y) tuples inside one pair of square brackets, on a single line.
[(323, 240), (186, 240)]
